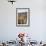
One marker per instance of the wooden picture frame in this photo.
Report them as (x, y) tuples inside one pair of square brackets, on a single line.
[(22, 17)]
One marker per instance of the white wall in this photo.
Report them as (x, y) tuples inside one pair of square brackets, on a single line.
[(37, 29)]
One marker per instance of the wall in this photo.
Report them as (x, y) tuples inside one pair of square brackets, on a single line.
[(37, 29)]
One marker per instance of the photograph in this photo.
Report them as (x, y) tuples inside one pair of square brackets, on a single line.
[(22, 16)]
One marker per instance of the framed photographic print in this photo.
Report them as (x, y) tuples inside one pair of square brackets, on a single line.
[(22, 17)]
